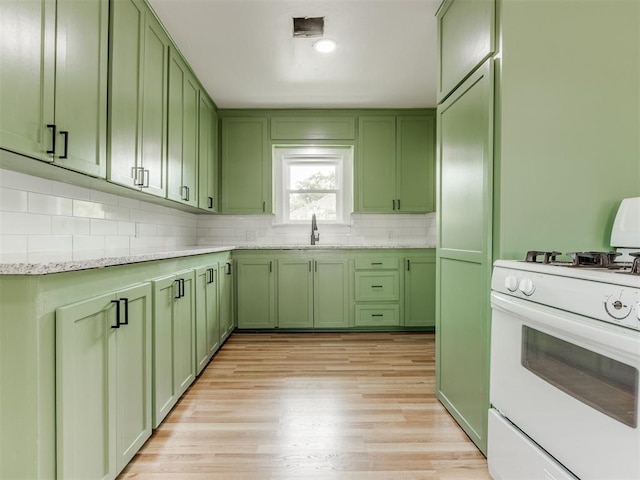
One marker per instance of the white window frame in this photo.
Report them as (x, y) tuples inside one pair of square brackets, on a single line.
[(286, 156)]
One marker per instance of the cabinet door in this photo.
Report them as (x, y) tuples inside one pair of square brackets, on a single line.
[(246, 166), (153, 154), (27, 69), (207, 327), (420, 292), (225, 277), (464, 255), (86, 389), (81, 85), (133, 374), (331, 293), (415, 151), (465, 40), (295, 293), (207, 156), (183, 132), (376, 165), (184, 355), (127, 44), (164, 393), (256, 293), (137, 109)]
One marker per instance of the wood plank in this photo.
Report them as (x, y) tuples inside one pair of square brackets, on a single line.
[(313, 406)]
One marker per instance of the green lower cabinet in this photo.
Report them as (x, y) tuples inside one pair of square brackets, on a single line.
[(173, 340), (331, 293), (225, 288), (255, 285), (295, 293), (419, 292), (103, 382), (207, 320)]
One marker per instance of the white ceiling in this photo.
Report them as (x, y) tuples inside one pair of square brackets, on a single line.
[(244, 53)]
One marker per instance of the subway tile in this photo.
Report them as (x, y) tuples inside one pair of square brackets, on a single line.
[(21, 181), (116, 212), (70, 225), (22, 257), (103, 227), (146, 229), (116, 243), (49, 243), (13, 243), (24, 224), (79, 255), (70, 191), (126, 228), (50, 257), (82, 208), (49, 204), (129, 202), (88, 242), (13, 200), (103, 197)]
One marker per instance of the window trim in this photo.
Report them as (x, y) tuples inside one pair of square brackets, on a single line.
[(286, 155)]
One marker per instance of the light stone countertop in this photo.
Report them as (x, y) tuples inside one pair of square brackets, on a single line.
[(45, 268)]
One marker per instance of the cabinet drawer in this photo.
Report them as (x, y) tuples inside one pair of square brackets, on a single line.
[(376, 263), (377, 315), (377, 286)]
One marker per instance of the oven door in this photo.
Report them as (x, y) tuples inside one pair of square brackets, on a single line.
[(570, 384)]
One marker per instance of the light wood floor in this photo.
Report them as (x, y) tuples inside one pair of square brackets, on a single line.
[(313, 406)]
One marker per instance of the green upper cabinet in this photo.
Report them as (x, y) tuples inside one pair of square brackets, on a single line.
[(182, 141), (53, 72), (395, 164), (317, 127), (256, 293), (208, 156), (246, 166), (465, 40), (138, 98)]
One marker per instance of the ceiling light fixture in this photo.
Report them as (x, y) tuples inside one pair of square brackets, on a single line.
[(325, 45)]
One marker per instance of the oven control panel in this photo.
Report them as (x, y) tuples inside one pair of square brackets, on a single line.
[(610, 302)]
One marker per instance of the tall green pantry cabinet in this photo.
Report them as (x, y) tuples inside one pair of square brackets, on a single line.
[(465, 209)]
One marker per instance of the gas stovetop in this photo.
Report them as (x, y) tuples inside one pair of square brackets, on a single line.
[(597, 260)]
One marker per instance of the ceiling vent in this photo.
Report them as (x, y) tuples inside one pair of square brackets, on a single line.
[(308, 27)]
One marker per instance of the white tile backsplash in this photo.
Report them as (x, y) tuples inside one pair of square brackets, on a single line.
[(43, 221)]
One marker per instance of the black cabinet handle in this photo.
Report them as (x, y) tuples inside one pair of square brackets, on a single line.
[(228, 266), (210, 272), (184, 193), (182, 286), (316, 266), (376, 286), (376, 263), (393, 203), (270, 266), (52, 126), (408, 265), (210, 202), (65, 134), (264, 206), (126, 311), (138, 179), (398, 204), (177, 282), (145, 174), (117, 302), (377, 315), (309, 265)]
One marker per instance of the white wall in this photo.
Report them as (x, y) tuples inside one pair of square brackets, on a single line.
[(48, 221)]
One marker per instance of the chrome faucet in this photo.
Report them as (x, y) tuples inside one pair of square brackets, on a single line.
[(315, 234)]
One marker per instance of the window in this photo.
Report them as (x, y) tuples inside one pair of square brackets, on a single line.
[(312, 180)]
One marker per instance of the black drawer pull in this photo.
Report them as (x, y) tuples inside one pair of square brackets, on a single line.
[(117, 302), (376, 286), (52, 126), (66, 144), (376, 263), (377, 315)]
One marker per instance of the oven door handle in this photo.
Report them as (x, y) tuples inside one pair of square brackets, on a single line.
[(614, 340)]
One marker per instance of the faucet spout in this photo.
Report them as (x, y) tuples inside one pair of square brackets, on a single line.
[(315, 234)]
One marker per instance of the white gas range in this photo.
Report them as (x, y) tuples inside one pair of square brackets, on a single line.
[(565, 362)]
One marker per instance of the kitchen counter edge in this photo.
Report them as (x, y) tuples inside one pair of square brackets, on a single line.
[(75, 265)]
